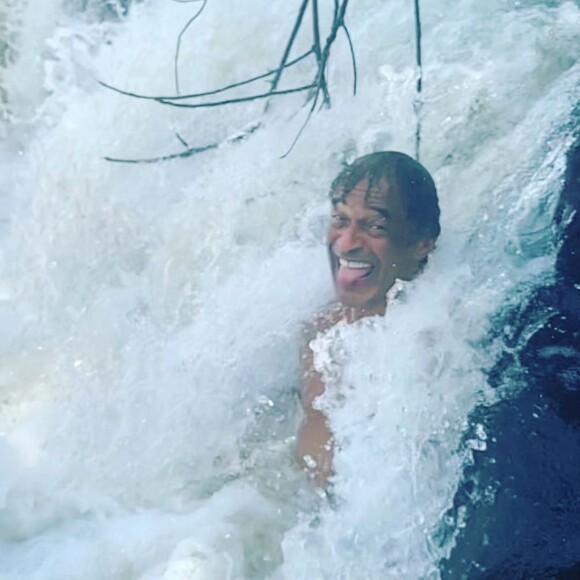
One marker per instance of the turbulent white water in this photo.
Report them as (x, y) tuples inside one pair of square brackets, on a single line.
[(150, 314)]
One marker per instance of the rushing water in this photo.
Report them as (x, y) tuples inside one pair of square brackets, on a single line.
[(151, 313)]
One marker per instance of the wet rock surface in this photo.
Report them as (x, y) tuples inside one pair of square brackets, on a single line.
[(521, 496)]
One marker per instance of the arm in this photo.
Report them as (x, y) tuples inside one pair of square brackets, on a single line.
[(315, 445)]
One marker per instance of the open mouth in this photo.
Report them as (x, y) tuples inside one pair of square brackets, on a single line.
[(352, 272), (354, 265)]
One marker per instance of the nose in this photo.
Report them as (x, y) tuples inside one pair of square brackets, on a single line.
[(349, 240)]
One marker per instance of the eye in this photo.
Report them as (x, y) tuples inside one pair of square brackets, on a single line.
[(337, 220), (377, 229)]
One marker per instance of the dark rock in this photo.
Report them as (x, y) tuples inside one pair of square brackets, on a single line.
[(522, 495)]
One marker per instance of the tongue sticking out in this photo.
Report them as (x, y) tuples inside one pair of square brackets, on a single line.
[(349, 276)]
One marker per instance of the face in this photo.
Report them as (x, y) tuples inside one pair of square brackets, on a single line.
[(370, 245)]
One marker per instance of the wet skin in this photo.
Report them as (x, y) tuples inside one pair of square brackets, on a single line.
[(370, 244)]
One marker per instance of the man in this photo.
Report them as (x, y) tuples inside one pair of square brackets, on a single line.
[(383, 225)]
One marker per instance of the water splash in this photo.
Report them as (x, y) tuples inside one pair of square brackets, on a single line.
[(150, 352)]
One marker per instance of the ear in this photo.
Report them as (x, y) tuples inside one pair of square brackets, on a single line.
[(418, 259), (423, 248)]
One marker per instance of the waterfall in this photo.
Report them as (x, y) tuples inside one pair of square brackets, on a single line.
[(152, 313)]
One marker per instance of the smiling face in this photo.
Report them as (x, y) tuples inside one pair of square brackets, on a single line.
[(371, 244)]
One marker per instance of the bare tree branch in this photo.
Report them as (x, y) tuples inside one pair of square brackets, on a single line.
[(289, 44), (206, 93), (337, 24), (236, 138), (301, 130), (319, 92), (234, 101), (353, 57), (183, 154), (318, 52)]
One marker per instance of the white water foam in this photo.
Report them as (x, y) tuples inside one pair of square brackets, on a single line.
[(151, 313)]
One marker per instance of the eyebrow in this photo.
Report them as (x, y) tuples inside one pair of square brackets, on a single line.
[(384, 213)]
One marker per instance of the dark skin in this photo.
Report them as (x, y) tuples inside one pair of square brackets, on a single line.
[(370, 245)]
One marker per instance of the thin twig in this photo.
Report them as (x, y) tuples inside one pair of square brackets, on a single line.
[(289, 44), (353, 57), (206, 93), (338, 23), (418, 104), (301, 130), (236, 138), (318, 52), (187, 153), (179, 137), (238, 100), (178, 45)]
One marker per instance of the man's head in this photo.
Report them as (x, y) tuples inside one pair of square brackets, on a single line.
[(385, 221)]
